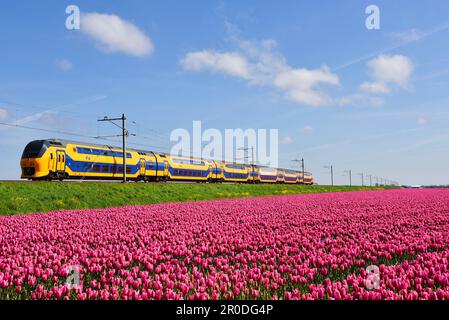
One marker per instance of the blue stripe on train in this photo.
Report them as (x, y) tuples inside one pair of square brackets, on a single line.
[(188, 172), (152, 166), (264, 177), (232, 175), (88, 166)]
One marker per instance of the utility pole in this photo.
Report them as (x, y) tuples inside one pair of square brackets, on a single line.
[(124, 134), (252, 160), (370, 180), (350, 176), (124, 146), (301, 161), (361, 174), (252, 163), (331, 167)]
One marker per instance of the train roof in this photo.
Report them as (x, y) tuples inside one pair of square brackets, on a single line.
[(65, 142)]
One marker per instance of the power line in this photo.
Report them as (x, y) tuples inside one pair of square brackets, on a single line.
[(301, 161), (331, 167), (49, 130), (350, 176), (124, 134), (105, 138)]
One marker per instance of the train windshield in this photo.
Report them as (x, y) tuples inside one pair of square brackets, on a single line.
[(34, 149)]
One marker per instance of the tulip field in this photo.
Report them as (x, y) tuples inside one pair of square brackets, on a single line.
[(390, 244)]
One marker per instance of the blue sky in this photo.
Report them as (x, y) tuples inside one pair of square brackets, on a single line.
[(374, 101)]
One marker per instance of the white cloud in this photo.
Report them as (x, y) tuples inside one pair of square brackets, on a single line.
[(300, 85), (64, 64), (287, 140), (386, 70), (422, 121), (113, 34), (395, 69), (360, 99), (229, 62), (3, 114), (260, 64), (375, 87), (306, 130), (408, 35)]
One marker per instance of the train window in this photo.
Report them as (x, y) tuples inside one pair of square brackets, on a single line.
[(105, 169), (34, 149), (128, 169), (96, 168), (51, 156)]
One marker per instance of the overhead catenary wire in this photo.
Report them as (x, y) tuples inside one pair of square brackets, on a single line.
[(73, 134)]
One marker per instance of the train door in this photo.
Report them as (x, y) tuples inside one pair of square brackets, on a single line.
[(60, 161), (166, 169), (52, 162), (143, 167)]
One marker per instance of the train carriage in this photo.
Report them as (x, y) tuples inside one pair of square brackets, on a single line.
[(233, 172), (188, 169), (291, 176), (308, 178), (268, 175), (65, 159)]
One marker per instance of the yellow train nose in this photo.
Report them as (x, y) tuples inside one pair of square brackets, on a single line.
[(29, 167)]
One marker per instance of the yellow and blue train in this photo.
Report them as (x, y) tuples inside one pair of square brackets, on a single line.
[(56, 159)]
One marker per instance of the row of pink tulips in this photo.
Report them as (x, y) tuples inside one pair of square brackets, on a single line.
[(321, 246)]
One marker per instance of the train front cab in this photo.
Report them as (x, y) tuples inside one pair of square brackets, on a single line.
[(35, 162)]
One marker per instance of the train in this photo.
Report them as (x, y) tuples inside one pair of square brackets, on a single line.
[(59, 159)]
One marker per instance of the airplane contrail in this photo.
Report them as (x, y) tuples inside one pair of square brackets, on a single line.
[(402, 44), (38, 115)]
